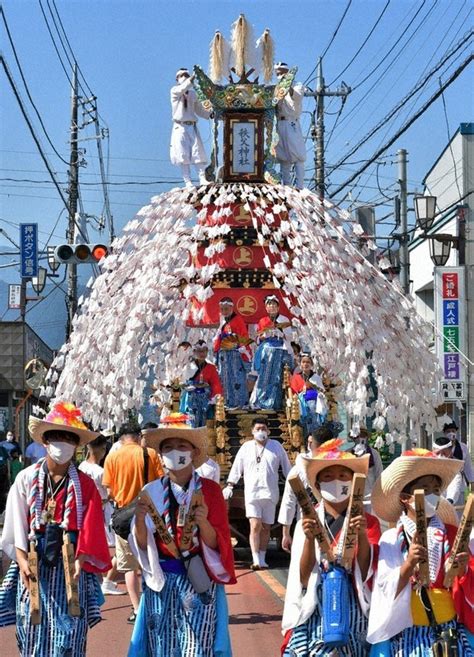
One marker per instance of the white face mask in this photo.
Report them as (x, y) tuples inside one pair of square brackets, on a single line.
[(175, 459), (431, 504), (451, 435), (336, 490), (260, 435), (60, 452)]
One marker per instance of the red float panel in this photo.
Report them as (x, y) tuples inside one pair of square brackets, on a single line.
[(240, 217), (237, 257), (249, 303)]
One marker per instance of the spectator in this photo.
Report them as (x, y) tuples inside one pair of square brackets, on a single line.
[(124, 477), (361, 448), (91, 467), (259, 461), (443, 447), (460, 452), (4, 478), (34, 452), (145, 427), (15, 465), (10, 443)]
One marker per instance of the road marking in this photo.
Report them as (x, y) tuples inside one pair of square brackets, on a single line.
[(272, 583)]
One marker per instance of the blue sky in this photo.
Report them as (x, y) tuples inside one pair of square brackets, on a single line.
[(129, 51)]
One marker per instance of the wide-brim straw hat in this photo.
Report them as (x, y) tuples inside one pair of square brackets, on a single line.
[(402, 471), (330, 454), (176, 426), (64, 416)]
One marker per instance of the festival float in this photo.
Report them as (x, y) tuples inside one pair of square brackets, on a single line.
[(244, 236)]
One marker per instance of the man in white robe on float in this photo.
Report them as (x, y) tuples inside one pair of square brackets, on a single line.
[(291, 147), (186, 146)]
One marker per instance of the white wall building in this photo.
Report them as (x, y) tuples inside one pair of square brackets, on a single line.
[(451, 180)]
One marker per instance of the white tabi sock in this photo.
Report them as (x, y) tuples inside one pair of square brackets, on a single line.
[(261, 559), (256, 558)]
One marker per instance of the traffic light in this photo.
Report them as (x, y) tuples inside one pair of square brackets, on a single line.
[(80, 253)]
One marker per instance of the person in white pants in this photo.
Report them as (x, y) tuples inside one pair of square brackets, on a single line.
[(186, 146), (291, 147), (259, 461)]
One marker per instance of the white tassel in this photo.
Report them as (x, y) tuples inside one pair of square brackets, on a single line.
[(265, 55), (219, 58), (242, 48)]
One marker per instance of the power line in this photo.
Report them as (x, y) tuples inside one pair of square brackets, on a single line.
[(363, 43), (407, 124), (26, 86), (406, 99), (341, 20)]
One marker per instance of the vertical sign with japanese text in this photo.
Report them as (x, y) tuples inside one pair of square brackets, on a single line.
[(29, 250), (450, 321), (14, 297)]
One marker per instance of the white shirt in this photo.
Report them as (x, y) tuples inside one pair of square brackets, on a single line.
[(210, 470), (189, 110), (95, 472), (260, 479), (35, 452), (289, 505)]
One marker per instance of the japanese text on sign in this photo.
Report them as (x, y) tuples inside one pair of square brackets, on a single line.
[(450, 318), (243, 151), (29, 250)]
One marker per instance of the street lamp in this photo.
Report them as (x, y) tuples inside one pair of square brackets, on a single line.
[(440, 248), (425, 208), (38, 282)]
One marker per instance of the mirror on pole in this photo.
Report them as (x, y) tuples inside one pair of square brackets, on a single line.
[(35, 373)]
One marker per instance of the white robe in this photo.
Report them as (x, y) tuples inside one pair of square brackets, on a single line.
[(300, 605), (289, 505), (291, 146), (210, 470), (186, 144), (149, 559)]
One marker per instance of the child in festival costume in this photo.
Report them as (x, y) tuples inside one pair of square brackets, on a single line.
[(183, 610), (329, 472), (49, 501), (398, 615)]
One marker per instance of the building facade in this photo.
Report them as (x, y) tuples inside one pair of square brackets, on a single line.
[(444, 295), (18, 345)]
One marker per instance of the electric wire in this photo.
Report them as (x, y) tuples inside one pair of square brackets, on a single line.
[(364, 43), (20, 69), (408, 123), (341, 20)]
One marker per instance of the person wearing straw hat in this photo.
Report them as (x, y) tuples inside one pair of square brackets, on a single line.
[(233, 355), (50, 502), (401, 606), (186, 146), (272, 354), (183, 609), (329, 472), (291, 147)]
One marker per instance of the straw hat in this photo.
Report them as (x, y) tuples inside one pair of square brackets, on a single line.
[(329, 454), (64, 416), (403, 470), (176, 425)]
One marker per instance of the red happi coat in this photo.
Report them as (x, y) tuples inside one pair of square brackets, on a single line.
[(217, 516), (235, 326), (209, 374)]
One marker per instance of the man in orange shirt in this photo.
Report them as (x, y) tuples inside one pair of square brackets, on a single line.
[(124, 477)]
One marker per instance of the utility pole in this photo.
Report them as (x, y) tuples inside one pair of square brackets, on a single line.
[(317, 131), (72, 204), (402, 182)]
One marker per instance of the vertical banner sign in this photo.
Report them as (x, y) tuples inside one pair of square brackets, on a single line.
[(14, 297), (29, 250), (451, 324)]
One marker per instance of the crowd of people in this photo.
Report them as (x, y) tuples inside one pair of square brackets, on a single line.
[(154, 512)]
